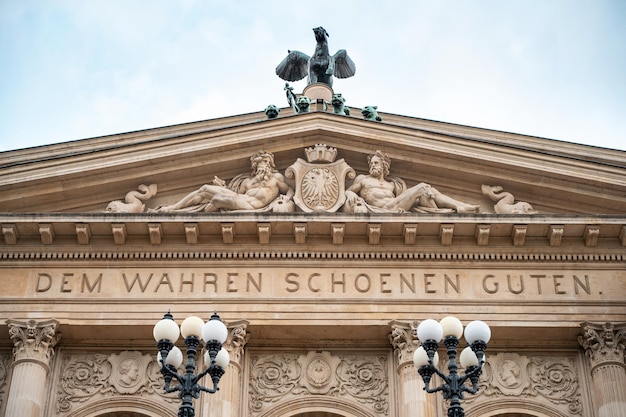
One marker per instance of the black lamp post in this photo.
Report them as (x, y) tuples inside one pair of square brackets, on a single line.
[(216, 358), (472, 358)]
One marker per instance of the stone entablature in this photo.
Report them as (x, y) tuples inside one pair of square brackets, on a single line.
[(582, 233)]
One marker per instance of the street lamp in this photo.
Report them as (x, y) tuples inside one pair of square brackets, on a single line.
[(472, 358), (216, 358)]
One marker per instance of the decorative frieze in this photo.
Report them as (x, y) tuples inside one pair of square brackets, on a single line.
[(541, 379), (93, 376), (280, 377)]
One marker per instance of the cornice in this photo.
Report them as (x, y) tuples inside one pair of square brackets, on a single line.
[(481, 238)]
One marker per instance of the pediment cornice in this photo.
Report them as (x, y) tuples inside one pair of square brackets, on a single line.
[(550, 174)]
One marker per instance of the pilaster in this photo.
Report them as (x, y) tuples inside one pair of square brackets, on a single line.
[(34, 343), (412, 398), (604, 346), (226, 402)]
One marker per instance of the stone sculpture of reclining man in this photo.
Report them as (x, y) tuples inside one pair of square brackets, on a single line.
[(266, 188), (374, 192)]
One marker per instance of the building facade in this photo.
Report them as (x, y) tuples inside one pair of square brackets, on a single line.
[(320, 267)]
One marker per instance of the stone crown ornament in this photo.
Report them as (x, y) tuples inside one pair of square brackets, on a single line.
[(320, 153)]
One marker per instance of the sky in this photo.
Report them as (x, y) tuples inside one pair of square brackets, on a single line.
[(75, 69)]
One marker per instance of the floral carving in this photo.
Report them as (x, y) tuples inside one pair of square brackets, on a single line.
[(556, 380), (90, 377), (83, 376), (359, 378), (364, 378), (551, 378)]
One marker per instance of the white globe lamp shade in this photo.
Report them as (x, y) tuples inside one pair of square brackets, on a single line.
[(420, 357), (477, 330), (192, 326), (429, 329), (468, 358), (166, 329), (222, 359), (214, 329), (451, 327), (174, 357)]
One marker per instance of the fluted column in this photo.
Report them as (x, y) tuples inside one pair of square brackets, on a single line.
[(34, 343), (412, 398), (604, 346), (226, 401)]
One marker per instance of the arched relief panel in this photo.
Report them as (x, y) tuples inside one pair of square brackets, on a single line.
[(539, 385), (89, 384), (350, 384)]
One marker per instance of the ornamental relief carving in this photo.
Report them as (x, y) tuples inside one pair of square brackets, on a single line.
[(362, 379), (91, 377), (550, 380)]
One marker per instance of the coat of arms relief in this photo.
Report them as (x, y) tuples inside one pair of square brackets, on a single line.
[(321, 184)]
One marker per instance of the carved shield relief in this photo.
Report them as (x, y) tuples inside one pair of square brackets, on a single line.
[(320, 183)]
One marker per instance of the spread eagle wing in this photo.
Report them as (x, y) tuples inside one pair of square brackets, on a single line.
[(344, 66), (294, 67)]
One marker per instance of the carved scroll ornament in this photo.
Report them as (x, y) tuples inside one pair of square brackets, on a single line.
[(552, 380), (358, 378), (91, 377)]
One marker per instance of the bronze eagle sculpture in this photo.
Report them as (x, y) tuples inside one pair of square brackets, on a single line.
[(321, 67)]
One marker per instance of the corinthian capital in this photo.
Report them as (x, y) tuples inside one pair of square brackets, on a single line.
[(237, 338), (33, 340), (403, 338), (604, 343)]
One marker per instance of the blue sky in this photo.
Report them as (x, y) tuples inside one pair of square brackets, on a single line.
[(78, 69)]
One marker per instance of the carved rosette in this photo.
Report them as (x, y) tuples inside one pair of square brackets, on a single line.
[(90, 377), (33, 340), (604, 343), (403, 338), (362, 379), (550, 380)]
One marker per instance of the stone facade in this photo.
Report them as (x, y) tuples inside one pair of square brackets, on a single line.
[(322, 282)]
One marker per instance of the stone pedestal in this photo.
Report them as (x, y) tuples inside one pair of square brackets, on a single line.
[(34, 343), (226, 401), (604, 346), (412, 399)]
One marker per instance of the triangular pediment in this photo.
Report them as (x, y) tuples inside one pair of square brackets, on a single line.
[(84, 176)]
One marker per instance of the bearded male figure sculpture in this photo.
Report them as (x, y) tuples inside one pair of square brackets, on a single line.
[(378, 193), (264, 189)]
